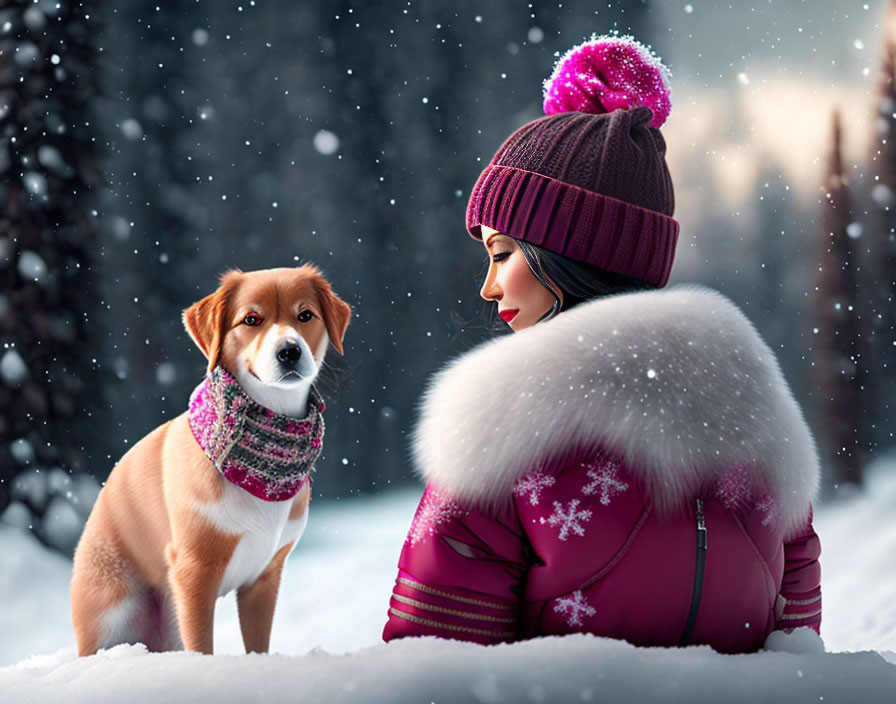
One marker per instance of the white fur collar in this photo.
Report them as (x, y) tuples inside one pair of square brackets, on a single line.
[(677, 383)]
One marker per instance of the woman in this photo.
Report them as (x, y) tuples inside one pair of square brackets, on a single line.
[(629, 465)]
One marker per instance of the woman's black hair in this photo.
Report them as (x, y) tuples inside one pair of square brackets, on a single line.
[(576, 281)]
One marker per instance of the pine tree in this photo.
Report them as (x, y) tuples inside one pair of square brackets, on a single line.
[(47, 233), (840, 350)]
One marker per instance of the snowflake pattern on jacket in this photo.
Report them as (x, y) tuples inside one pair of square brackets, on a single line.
[(768, 507), (533, 484), (604, 475), (569, 519), (733, 490), (573, 606), (435, 509)]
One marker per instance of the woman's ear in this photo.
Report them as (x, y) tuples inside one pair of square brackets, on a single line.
[(207, 322), (337, 313)]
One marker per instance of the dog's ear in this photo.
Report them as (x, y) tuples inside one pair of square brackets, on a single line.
[(337, 313), (207, 321)]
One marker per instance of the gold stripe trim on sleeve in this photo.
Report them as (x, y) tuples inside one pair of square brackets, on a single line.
[(795, 617), (803, 602), (464, 600), (451, 612), (446, 626)]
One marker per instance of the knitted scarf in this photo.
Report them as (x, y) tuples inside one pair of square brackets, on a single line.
[(267, 454)]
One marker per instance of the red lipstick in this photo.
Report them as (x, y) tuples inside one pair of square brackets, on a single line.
[(509, 314)]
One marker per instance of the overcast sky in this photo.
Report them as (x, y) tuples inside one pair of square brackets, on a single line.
[(757, 81)]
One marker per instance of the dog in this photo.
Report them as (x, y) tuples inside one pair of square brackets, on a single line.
[(201, 506)]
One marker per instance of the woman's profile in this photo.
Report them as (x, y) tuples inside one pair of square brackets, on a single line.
[(630, 462)]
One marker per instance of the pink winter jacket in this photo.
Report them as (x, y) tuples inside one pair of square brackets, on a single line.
[(635, 468)]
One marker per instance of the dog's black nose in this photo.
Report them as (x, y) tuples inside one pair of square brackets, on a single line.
[(289, 355)]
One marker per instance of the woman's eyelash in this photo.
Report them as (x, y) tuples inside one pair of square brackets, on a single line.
[(500, 256)]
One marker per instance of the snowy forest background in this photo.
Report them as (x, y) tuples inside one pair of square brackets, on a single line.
[(145, 149)]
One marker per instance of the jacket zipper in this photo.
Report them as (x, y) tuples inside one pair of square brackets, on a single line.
[(698, 576)]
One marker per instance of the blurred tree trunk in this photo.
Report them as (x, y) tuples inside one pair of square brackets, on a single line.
[(840, 350), (48, 238), (155, 218), (880, 283)]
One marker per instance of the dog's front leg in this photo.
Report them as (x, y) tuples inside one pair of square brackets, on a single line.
[(195, 575), (255, 603)]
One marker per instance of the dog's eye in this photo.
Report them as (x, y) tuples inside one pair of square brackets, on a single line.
[(305, 316), (252, 319)]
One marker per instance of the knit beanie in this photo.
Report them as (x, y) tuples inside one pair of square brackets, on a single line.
[(589, 180)]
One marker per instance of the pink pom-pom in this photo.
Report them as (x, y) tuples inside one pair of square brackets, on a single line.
[(607, 73)]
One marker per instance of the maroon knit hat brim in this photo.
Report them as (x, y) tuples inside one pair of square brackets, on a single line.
[(577, 223)]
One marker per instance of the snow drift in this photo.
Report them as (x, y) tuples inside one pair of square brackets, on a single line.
[(326, 641)]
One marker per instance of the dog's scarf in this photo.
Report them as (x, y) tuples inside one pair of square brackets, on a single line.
[(267, 454)]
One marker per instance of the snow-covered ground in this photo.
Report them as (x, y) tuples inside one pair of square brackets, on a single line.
[(326, 641)]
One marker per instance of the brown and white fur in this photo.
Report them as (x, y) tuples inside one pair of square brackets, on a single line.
[(169, 534)]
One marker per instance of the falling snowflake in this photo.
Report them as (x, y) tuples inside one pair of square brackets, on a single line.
[(769, 507), (533, 484), (604, 475), (573, 607), (569, 519), (434, 511)]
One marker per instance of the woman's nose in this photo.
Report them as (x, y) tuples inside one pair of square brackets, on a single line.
[(490, 290)]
